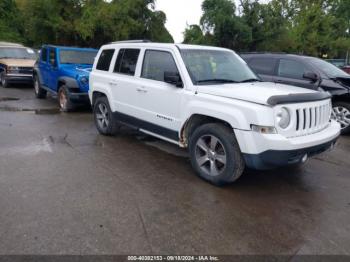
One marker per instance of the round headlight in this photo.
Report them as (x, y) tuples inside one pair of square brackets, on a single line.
[(283, 118)]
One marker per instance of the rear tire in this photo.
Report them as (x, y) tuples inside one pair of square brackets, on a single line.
[(103, 116), (215, 154), (341, 114), (3, 80), (63, 100), (39, 92)]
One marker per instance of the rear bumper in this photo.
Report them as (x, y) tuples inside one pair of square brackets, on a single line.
[(19, 78)]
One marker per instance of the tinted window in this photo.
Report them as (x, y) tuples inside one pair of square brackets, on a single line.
[(105, 60), (265, 66), (126, 61), (156, 63), (291, 69), (44, 55)]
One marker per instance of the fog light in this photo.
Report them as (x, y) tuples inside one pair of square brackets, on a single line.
[(304, 159)]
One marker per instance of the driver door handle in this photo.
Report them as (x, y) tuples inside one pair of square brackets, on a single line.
[(113, 83)]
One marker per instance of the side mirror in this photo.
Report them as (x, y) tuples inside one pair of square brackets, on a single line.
[(311, 76), (173, 78)]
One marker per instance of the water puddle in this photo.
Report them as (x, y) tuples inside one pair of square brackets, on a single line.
[(3, 99), (48, 111), (28, 150)]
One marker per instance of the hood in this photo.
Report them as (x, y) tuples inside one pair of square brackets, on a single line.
[(17, 62), (77, 70), (257, 92)]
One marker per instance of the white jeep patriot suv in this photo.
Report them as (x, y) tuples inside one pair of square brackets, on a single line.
[(208, 99)]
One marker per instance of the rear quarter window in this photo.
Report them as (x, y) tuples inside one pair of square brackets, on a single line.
[(263, 65), (105, 59)]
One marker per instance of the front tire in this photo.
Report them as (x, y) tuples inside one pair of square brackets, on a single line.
[(3, 80), (63, 100), (215, 154), (39, 92), (341, 114), (103, 116)]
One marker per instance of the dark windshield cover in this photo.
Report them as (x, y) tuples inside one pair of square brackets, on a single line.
[(77, 57), (204, 65), (329, 69), (17, 53)]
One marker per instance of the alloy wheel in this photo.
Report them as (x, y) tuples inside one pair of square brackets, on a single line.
[(36, 86), (342, 116), (210, 155), (63, 99), (102, 116)]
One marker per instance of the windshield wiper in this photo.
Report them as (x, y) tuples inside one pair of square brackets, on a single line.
[(250, 80), (216, 80)]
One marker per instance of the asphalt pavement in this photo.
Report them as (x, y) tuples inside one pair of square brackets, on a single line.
[(65, 189)]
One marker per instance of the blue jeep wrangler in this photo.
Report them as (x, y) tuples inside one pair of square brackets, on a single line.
[(64, 71)]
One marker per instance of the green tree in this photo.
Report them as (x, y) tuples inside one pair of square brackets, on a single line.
[(10, 22), (91, 22), (103, 22), (312, 27), (194, 35), (220, 21)]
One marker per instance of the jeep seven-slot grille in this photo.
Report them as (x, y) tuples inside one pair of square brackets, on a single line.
[(312, 119)]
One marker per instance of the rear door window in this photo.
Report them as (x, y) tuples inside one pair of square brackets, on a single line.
[(291, 69), (156, 63), (263, 65), (126, 61), (105, 59)]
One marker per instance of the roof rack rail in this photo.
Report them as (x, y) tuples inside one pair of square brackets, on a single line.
[(133, 41), (264, 52)]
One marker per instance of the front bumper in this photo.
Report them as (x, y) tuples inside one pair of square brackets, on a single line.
[(274, 158), (266, 151), (19, 78), (79, 98)]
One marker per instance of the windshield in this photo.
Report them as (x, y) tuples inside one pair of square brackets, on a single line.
[(216, 66), (17, 53), (329, 69), (77, 57)]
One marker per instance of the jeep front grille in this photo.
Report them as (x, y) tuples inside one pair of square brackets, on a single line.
[(306, 118), (312, 119)]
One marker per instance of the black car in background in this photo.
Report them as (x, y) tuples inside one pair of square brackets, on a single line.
[(307, 72)]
